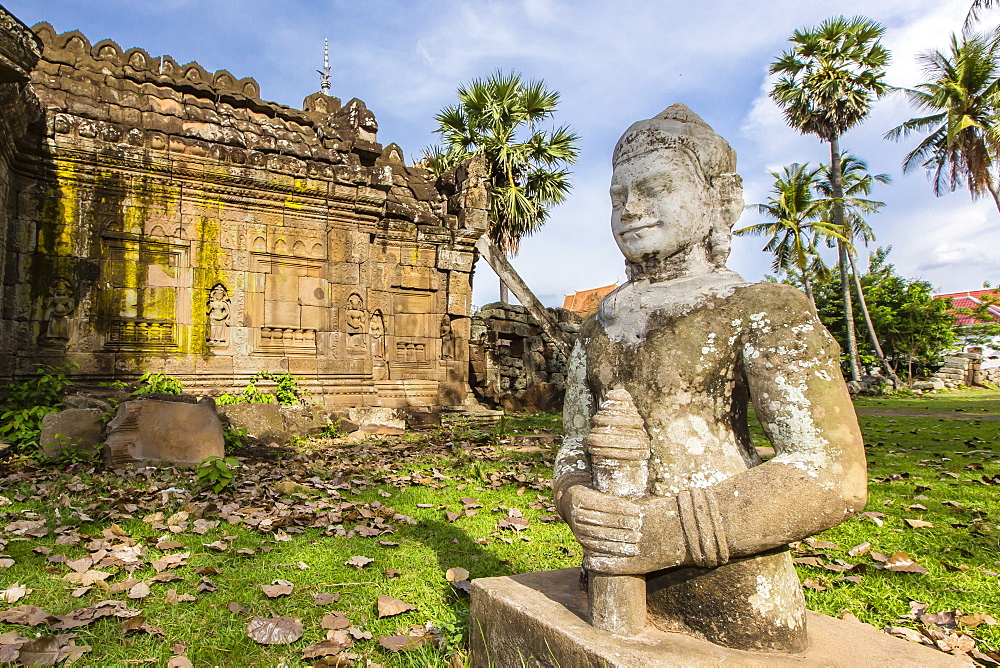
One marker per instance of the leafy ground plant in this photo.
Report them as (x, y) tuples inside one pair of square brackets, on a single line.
[(158, 383), (363, 552), (216, 473), (27, 401)]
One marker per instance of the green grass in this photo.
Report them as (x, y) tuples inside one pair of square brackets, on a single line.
[(909, 458)]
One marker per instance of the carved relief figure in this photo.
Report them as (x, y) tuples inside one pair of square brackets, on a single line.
[(58, 305), (219, 309), (678, 516), (356, 325), (376, 331), (447, 339)]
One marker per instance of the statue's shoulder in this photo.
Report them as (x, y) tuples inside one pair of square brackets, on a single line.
[(777, 302)]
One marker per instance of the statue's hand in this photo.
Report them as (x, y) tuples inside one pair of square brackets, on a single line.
[(621, 535)]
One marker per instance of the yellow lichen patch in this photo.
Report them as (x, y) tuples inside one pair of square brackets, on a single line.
[(56, 237)]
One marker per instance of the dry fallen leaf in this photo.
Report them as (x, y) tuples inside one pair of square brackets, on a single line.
[(171, 597), (358, 562), (860, 549), (908, 634), (138, 624), (278, 588), (236, 608), (167, 544), (14, 593), (401, 643), (813, 583), (323, 648), (80, 565), (50, 650), (900, 561), (28, 614), (140, 590), (278, 630), (170, 561), (335, 620), (389, 606), (975, 619), (85, 616)]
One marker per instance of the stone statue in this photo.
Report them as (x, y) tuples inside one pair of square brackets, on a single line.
[(681, 522), (59, 304), (447, 339), (218, 309), (376, 330), (355, 313)]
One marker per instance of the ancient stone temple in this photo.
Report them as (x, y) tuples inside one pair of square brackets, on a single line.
[(160, 217)]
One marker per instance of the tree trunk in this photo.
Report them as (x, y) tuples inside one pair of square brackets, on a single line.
[(845, 284), (502, 266), (871, 328), (994, 190), (504, 295)]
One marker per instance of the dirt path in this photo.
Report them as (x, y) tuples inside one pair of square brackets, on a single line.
[(957, 415)]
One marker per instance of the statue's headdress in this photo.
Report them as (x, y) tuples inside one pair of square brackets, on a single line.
[(679, 128)]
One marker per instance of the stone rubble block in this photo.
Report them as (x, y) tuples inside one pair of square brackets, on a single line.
[(378, 420), (153, 430), (77, 430)]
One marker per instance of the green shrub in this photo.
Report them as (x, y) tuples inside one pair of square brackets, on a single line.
[(236, 437), (28, 401), (332, 429), (288, 391), (216, 473), (22, 427), (157, 383), (44, 388)]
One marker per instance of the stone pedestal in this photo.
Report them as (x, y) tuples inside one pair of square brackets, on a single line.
[(540, 620)]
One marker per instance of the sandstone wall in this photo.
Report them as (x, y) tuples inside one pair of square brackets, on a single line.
[(167, 218), (513, 363), (19, 51)]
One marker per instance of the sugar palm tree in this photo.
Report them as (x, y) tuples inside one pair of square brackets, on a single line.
[(962, 96), (827, 84), (497, 118), (857, 185), (796, 223)]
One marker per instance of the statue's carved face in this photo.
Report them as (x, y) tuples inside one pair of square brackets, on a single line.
[(660, 205)]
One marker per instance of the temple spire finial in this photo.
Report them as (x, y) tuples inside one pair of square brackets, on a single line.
[(324, 73)]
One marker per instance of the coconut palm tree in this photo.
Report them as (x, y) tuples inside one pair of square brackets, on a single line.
[(857, 185), (977, 7), (796, 223), (827, 84), (497, 118), (962, 96)]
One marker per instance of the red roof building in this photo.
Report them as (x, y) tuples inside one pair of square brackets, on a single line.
[(973, 299), (586, 302)]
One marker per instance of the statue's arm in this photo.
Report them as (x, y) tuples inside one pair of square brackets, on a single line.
[(818, 477), (572, 463)]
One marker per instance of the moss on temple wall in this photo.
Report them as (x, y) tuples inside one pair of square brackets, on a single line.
[(208, 269)]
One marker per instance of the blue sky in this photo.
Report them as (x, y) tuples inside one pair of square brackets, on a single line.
[(613, 62)]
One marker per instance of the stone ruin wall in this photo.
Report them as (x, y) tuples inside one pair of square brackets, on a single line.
[(514, 364), (164, 218), (19, 51), (960, 369)]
